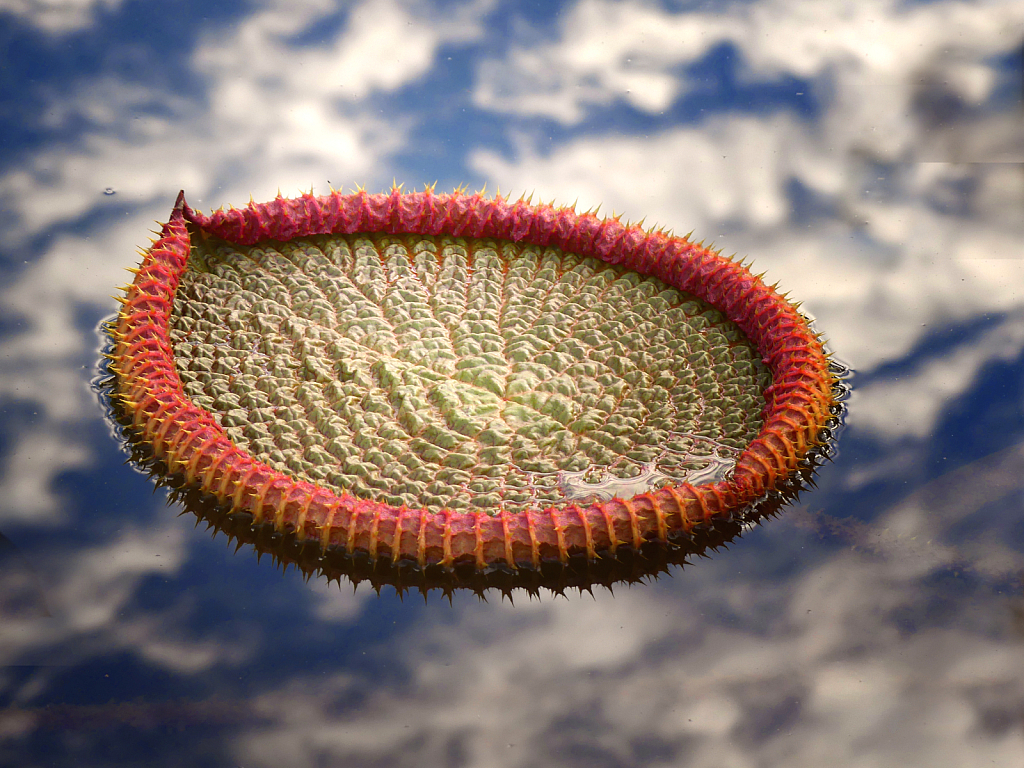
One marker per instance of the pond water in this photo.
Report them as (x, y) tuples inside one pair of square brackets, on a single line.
[(868, 157)]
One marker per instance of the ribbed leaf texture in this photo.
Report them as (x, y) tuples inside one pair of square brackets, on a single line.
[(453, 384)]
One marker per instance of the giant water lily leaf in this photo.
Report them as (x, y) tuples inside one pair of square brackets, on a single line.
[(454, 390)]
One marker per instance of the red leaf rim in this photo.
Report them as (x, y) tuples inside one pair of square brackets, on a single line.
[(798, 403)]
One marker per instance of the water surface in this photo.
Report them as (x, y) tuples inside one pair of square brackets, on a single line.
[(868, 157)]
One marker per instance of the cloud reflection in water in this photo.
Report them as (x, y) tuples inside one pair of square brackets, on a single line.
[(886, 195)]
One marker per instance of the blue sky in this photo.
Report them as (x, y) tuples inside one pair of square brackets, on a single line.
[(866, 155)]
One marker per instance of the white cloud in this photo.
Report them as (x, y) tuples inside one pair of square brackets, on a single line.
[(39, 455), (58, 16), (87, 593), (920, 523), (726, 663), (276, 116), (279, 117), (703, 665), (386, 44), (909, 406), (631, 51), (607, 51), (687, 177), (50, 364), (872, 294), (940, 242), (674, 669), (334, 602)]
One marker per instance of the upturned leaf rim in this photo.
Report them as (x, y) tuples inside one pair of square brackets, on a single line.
[(800, 404)]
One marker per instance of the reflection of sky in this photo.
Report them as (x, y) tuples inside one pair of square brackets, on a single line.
[(867, 155)]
